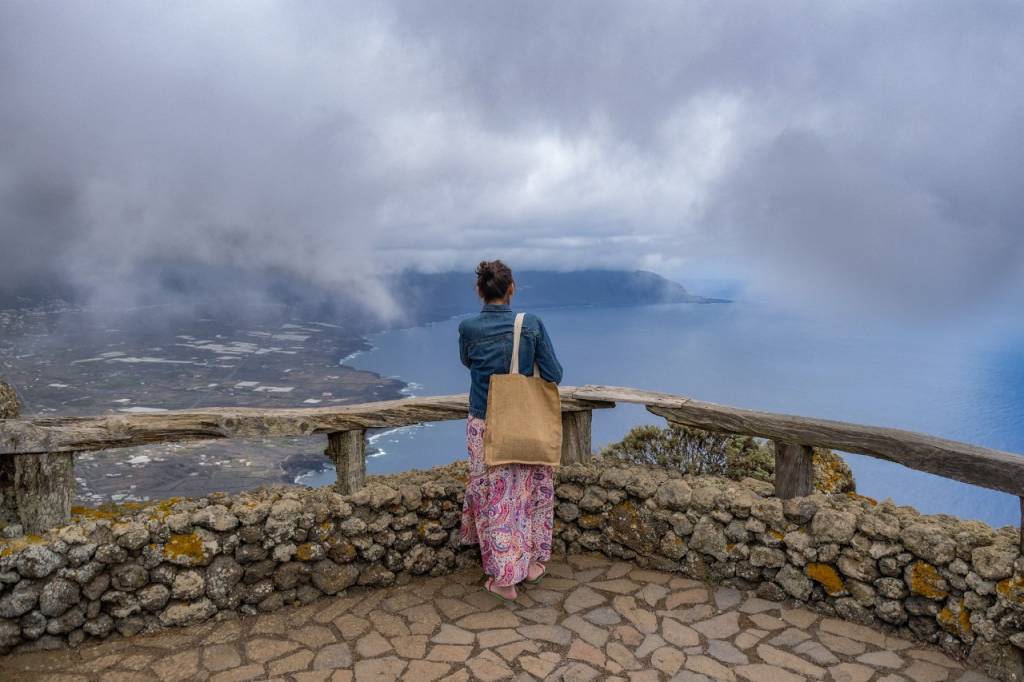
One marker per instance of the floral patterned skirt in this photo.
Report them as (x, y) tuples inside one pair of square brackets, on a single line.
[(508, 510)]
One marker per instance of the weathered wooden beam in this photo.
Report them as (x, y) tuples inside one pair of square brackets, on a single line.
[(348, 451), (73, 434), (794, 470), (980, 466), (972, 464), (576, 436), (1022, 525)]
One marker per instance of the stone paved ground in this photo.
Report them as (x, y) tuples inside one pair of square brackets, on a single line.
[(590, 619)]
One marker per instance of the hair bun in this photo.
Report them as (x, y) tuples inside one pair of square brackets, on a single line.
[(493, 279)]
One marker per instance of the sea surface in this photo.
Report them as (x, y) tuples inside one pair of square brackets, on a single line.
[(965, 384)]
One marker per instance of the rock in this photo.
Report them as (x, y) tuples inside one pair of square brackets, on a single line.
[(192, 549), (674, 494), (924, 580), (593, 499), (37, 561), (95, 588), (80, 554), (353, 525), (188, 585), (250, 511), (740, 502), (633, 525), (19, 601), (131, 536), (891, 611), (58, 596), (851, 610), (709, 537), (376, 496), (100, 626), (641, 484), (994, 562), (282, 519), (14, 530), (187, 613), (672, 546), (290, 574), (256, 592), (128, 577), (769, 510), (858, 566), (829, 525), (765, 556), (33, 625), (330, 578), (800, 509), (70, 620), (110, 554), (374, 574), (891, 588), (215, 517), (614, 477), (930, 542), (567, 511), (153, 597), (795, 583), (179, 523)]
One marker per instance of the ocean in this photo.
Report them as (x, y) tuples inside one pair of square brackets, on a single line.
[(966, 385)]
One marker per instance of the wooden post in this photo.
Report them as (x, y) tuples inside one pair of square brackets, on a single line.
[(35, 490), (794, 470), (1021, 524), (348, 451), (10, 408), (43, 488), (576, 436)]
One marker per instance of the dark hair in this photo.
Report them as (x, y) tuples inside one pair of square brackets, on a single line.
[(493, 279)]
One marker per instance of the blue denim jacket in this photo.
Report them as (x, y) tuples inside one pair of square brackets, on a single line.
[(485, 346)]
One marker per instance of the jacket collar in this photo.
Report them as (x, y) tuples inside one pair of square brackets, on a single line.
[(496, 308)]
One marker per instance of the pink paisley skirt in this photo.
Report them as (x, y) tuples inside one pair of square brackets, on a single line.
[(508, 510)]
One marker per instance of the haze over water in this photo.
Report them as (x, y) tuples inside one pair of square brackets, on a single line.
[(967, 387)]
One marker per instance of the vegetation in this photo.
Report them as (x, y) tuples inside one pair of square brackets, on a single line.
[(707, 452)]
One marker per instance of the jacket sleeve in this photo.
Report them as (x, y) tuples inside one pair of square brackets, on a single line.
[(463, 350), (547, 362)]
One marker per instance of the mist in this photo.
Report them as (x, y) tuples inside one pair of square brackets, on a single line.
[(862, 158)]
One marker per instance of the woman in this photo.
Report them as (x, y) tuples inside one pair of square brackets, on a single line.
[(508, 508)]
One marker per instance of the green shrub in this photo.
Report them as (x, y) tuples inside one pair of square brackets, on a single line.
[(696, 451)]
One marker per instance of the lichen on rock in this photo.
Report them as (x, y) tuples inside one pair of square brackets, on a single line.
[(826, 576)]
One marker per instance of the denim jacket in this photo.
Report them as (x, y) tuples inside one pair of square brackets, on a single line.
[(485, 347)]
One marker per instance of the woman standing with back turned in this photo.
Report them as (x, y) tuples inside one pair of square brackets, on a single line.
[(509, 508)]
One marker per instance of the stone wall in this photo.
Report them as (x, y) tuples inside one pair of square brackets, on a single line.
[(122, 571), (955, 583)]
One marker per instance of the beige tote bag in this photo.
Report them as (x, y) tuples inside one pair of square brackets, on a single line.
[(524, 415)]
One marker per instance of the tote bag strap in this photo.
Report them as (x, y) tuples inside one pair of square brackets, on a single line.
[(516, 332)]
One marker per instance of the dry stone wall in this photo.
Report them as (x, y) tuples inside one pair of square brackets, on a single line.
[(119, 572)]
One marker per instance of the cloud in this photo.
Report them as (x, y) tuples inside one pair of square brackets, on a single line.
[(846, 153)]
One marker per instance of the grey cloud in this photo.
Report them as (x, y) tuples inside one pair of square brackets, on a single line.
[(854, 152)]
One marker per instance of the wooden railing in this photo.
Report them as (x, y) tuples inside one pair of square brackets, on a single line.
[(41, 480)]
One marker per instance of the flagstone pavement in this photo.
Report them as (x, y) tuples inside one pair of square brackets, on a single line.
[(590, 619)]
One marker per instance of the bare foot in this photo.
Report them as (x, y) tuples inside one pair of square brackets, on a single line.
[(534, 571), (506, 591)]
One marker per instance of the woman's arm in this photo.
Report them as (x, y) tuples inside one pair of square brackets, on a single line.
[(547, 362), (463, 350)]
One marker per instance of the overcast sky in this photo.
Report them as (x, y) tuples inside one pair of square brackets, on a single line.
[(854, 153)]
